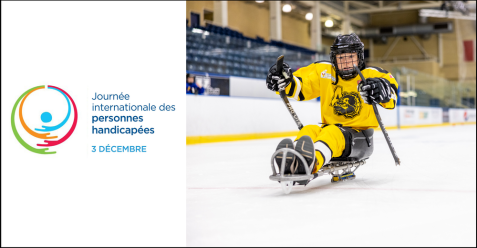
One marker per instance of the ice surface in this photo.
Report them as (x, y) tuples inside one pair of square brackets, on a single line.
[(430, 200)]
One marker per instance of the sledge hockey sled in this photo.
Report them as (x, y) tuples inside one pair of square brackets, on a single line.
[(340, 169)]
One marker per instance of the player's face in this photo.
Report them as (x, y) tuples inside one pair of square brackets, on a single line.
[(346, 61)]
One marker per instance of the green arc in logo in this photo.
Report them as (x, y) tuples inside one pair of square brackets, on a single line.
[(14, 128)]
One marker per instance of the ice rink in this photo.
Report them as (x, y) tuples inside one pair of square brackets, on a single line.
[(430, 200)]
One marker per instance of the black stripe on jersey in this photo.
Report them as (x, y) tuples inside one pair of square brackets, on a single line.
[(326, 146), (292, 88), (394, 88), (379, 69), (301, 96), (320, 61), (324, 159), (337, 78), (395, 91)]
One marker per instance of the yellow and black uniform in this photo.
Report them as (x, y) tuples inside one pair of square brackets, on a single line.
[(341, 103)]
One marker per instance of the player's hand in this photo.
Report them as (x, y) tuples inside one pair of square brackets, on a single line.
[(375, 90), (276, 81)]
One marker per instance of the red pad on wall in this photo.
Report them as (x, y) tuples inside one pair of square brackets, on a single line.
[(468, 50)]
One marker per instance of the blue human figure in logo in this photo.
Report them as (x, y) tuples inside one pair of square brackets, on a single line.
[(46, 117)]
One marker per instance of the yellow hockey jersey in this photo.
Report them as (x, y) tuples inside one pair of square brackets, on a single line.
[(340, 100)]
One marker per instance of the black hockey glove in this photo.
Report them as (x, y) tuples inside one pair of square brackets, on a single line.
[(375, 90), (276, 81)]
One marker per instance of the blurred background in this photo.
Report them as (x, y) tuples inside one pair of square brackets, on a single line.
[(429, 46)]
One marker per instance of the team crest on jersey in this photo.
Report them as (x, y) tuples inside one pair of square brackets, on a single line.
[(347, 104), (327, 76)]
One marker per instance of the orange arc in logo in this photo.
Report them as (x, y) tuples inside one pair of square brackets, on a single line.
[(34, 134)]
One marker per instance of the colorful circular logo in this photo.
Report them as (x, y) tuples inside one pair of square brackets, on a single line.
[(46, 117)]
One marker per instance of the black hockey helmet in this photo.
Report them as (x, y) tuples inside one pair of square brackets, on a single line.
[(348, 43)]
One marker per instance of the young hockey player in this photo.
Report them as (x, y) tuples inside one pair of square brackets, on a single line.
[(346, 103)]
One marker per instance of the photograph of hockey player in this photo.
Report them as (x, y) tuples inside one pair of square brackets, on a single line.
[(346, 109)]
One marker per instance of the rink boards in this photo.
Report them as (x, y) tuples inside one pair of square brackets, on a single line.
[(224, 118)]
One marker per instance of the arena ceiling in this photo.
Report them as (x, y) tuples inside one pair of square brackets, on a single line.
[(360, 10)]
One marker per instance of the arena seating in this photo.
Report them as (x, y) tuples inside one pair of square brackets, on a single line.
[(224, 51)]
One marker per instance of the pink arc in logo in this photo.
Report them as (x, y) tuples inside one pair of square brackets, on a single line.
[(57, 142)]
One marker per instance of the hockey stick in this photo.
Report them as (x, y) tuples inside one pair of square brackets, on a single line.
[(378, 117), (283, 95)]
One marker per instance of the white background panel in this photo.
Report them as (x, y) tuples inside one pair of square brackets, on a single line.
[(76, 197)]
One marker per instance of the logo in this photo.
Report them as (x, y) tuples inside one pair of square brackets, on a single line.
[(290, 108), (347, 104), (293, 113), (327, 76), (45, 131), (423, 114)]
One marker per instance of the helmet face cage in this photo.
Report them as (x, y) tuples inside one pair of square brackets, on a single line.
[(346, 51)]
